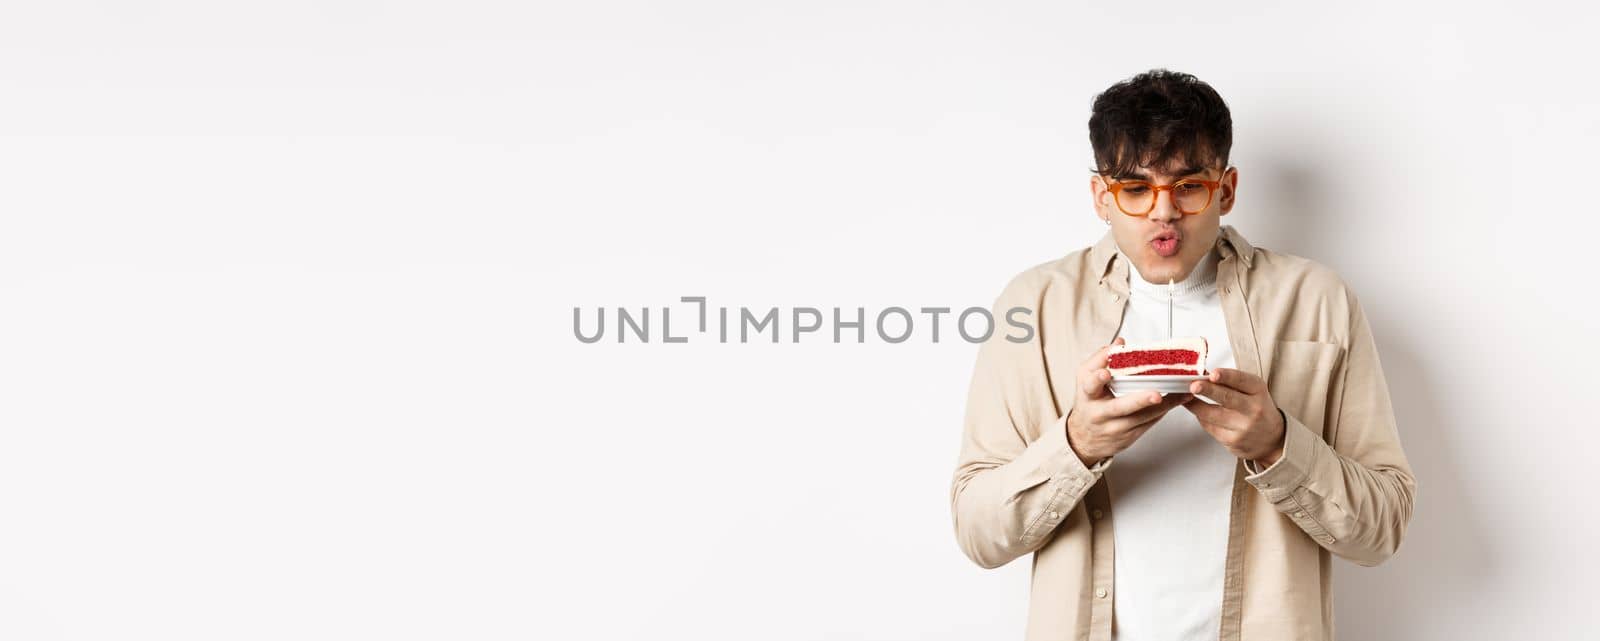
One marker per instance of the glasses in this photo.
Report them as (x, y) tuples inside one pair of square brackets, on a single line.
[(1137, 198)]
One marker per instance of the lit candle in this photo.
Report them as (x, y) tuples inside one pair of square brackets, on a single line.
[(1169, 308)]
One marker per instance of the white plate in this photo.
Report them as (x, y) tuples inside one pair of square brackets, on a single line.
[(1161, 383), (1166, 384)]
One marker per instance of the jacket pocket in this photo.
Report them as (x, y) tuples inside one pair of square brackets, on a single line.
[(1301, 377)]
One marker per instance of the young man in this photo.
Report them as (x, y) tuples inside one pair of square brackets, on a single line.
[(1217, 520)]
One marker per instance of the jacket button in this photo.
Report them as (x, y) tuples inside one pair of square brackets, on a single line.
[(1055, 515), (1100, 593), (1097, 514)]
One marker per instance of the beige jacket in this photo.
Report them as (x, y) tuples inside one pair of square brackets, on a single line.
[(1342, 486)]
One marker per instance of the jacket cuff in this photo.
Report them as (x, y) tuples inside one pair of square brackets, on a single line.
[(1291, 469), (1062, 463), (1057, 464)]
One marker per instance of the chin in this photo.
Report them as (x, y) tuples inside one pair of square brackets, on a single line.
[(1160, 269), (1156, 271), (1158, 261)]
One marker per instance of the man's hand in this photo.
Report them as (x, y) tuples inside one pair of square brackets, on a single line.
[(1246, 421), (1100, 424)]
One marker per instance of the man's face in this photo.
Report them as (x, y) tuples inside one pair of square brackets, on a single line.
[(1166, 244)]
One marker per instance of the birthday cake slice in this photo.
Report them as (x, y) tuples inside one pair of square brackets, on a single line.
[(1184, 356)]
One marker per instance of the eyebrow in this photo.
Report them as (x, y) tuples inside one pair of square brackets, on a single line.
[(1139, 175)]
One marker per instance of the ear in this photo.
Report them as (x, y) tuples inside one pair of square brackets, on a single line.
[(1099, 195), (1229, 187)]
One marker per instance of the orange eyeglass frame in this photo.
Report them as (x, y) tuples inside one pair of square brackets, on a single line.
[(1116, 191)]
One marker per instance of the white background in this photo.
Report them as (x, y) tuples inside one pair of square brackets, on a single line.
[(286, 296)]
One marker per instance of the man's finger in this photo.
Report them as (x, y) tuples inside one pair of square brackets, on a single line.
[(1238, 379), (1094, 385), (1102, 356), (1228, 398), (1093, 377), (1138, 430), (1130, 403), (1208, 416), (1212, 417), (1203, 411), (1149, 414)]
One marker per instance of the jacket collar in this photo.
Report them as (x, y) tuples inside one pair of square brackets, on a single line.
[(1230, 243)]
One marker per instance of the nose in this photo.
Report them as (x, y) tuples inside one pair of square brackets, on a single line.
[(1165, 210)]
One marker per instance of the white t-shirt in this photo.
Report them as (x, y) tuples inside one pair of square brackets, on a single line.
[(1170, 491)]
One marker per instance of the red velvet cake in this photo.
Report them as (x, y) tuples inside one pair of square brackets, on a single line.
[(1176, 356)]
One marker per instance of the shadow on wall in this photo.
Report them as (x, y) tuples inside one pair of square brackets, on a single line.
[(1445, 555)]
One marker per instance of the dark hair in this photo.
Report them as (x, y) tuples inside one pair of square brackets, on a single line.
[(1158, 117)]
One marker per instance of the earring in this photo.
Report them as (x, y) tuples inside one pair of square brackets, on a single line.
[(1106, 220)]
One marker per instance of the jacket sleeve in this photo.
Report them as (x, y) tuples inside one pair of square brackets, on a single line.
[(1353, 494), (1017, 477)]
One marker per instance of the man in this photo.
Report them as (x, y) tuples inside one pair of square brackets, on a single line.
[(1217, 521)]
